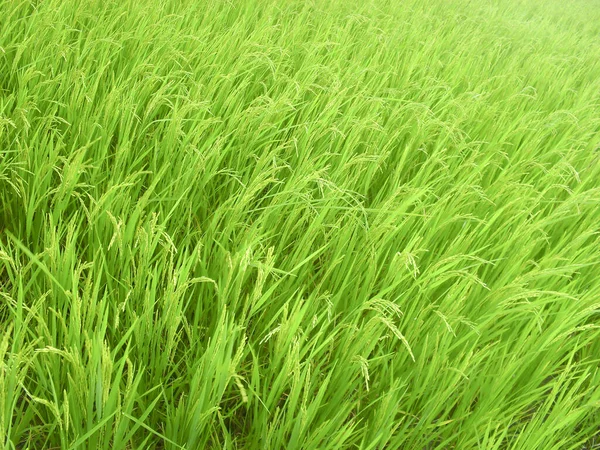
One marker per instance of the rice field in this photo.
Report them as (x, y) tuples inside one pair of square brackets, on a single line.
[(300, 224)]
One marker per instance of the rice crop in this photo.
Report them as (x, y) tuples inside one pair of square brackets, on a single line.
[(300, 224)]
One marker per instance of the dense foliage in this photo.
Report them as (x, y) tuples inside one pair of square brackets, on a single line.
[(299, 224)]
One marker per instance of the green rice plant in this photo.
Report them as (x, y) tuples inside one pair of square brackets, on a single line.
[(299, 224)]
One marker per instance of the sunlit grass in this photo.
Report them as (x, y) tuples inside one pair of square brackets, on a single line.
[(299, 224)]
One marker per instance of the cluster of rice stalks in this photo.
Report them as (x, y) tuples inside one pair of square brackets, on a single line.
[(299, 224)]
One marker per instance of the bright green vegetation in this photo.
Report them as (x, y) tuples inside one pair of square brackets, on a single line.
[(299, 225)]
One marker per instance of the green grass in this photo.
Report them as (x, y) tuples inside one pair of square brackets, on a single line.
[(299, 224)]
